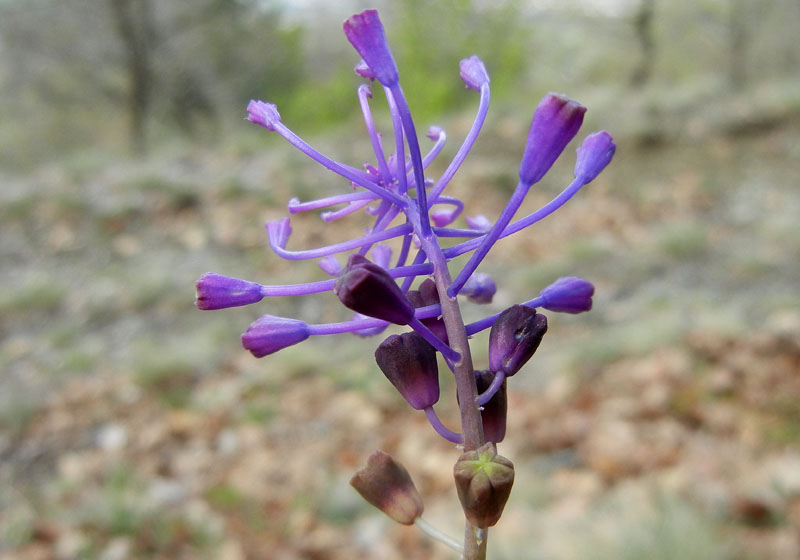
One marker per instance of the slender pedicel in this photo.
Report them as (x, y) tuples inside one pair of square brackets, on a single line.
[(441, 429), (295, 206), (364, 93), (339, 247)]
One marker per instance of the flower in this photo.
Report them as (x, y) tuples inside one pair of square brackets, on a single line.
[(556, 121), (386, 484), (368, 289), (410, 364), (594, 155), (569, 294), (269, 334), (514, 338), (483, 481), (215, 291), (365, 32)]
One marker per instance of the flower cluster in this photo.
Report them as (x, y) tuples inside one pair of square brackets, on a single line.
[(397, 273)]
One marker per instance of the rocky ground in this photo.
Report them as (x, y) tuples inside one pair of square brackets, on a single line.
[(664, 424)]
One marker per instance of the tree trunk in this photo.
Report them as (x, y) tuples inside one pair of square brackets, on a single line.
[(136, 29)]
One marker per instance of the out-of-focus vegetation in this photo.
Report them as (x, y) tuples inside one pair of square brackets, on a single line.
[(77, 74), (663, 424)]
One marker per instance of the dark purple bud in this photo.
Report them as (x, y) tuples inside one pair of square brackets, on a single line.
[(569, 294), (365, 32), (215, 291), (386, 484), (483, 481), (368, 289), (479, 288), (514, 338), (594, 155), (473, 72), (264, 114), (556, 121), (494, 412), (269, 334), (427, 294), (363, 70), (409, 362)]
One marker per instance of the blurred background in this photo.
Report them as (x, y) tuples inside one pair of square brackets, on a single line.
[(664, 424)]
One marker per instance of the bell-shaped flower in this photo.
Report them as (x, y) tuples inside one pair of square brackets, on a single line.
[(368, 289), (569, 294), (494, 412), (483, 482), (269, 334), (409, 362), (514, 338), (555, 123), (386, 484)]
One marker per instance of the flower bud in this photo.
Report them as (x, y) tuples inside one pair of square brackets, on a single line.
[(478, 223), (427, 294), (368, 289), (494, 412), (365, 32), (278, 232), (264, 114), (386, 484), (479, 288), (269, 334), (330, 265), (409, 362), (514, 338), (594, 155), (483, 481), (569, 294), (215, 291), (556, 121), (363, 70), (473, 72)]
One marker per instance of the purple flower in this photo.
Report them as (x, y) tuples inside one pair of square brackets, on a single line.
[(594, 155), (215, 291), (556, 121), (569, 294), (514, 338), (368, 289), (365, 32), (410, 364), (363, 70), (269, 334)]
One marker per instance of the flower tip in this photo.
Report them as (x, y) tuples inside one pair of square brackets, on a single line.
[(569, 294), (269, 334), (365, 32), (263, 114), (555, 123), (473, 72), (594, 154), (367, 288)]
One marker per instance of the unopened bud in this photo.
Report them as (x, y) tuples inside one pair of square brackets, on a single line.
[(594, 155), (556, 121), (473, 72), (386, 484), (215, 291), (269, 334), (569, 294), (483, 481)]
